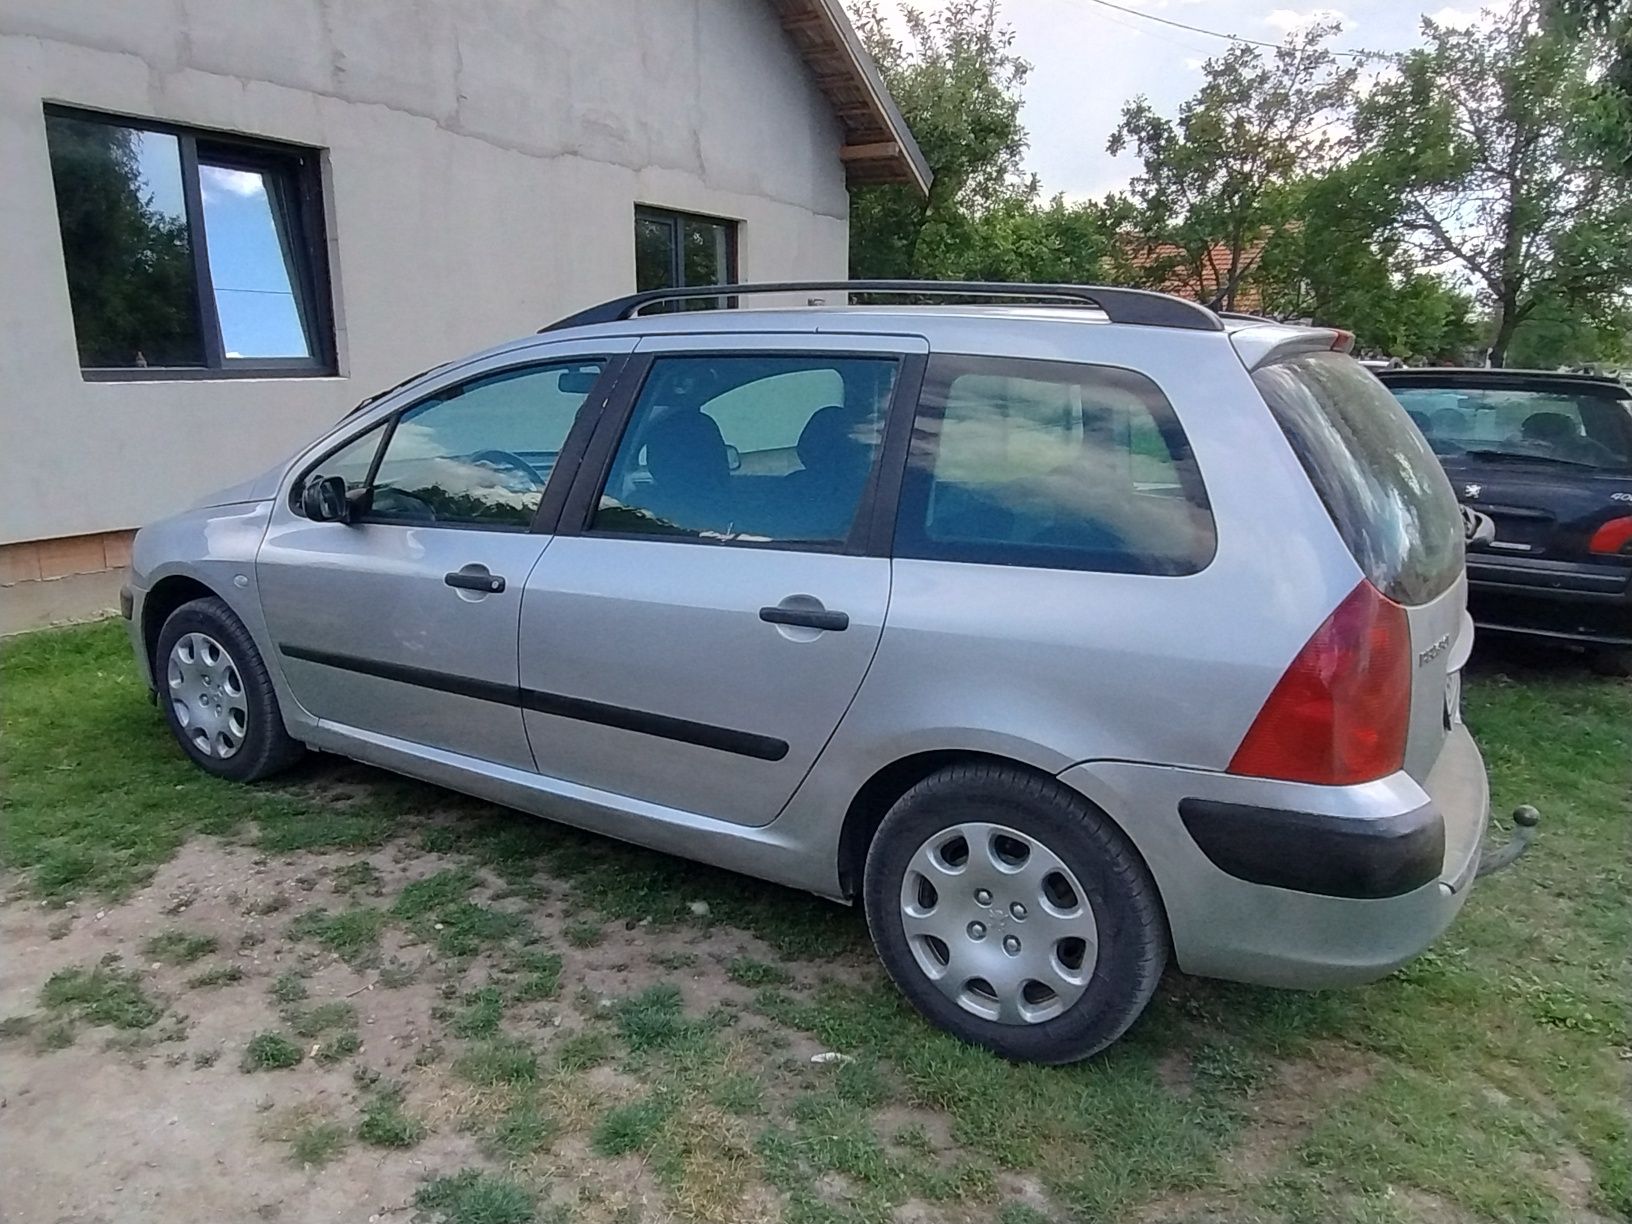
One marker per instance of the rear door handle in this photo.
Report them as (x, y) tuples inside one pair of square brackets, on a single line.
[(805, 618), (470, 579)]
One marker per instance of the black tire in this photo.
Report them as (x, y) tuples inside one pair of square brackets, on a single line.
[(1616, 663), (265, 747), (1127, 910)]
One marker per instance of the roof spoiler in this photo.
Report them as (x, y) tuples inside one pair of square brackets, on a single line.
[(1136, 306), (1259, 345)]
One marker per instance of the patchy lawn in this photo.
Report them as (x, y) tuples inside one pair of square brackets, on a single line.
[(348, 995)]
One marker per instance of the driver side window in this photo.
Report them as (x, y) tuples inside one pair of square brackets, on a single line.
[(479, 453)]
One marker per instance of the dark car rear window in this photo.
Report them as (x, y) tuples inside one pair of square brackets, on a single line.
[(1380, 482), (1588, 429)]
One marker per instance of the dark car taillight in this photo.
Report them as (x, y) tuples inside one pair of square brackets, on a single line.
[(1340, 712), (1613, 539)]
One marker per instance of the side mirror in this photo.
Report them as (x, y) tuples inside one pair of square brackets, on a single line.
[(733, 457), (324, 500)]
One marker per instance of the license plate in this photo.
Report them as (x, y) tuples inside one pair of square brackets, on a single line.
[(1453, 699)]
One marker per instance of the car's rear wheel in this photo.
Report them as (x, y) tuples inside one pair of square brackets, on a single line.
[(1014, 914), (216, 695)]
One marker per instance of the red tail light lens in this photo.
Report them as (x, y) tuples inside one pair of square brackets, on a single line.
[(1612, 538), (1339, 713)]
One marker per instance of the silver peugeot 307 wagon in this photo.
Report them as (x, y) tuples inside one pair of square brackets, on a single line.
[(1067, 637)]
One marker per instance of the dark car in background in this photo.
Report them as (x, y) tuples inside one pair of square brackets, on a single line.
[(1548, 458)]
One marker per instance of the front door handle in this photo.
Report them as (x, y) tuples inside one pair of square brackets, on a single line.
[(805, 618), (473, 578)]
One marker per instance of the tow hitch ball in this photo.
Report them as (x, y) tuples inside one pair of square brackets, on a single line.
[(1494, 858)]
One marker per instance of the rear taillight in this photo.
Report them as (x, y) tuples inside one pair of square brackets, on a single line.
[(1613, 538), (1339, 713)]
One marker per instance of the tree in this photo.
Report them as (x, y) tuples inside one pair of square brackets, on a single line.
[(129, 266), (957, 81), (1217, 183), (1337, 264), (1485, 136)]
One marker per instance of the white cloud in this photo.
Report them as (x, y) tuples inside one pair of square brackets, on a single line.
[(1456, 18), (218, 180), (1287, 20), (1194, 62)]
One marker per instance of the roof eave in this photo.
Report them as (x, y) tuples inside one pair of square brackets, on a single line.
[(878, 145)]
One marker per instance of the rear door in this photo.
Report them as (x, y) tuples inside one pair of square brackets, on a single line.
[(1394, 508), (703, 619)]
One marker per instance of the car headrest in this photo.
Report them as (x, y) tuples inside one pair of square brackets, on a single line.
[(1547, 427), (686, 446), (828, 440)]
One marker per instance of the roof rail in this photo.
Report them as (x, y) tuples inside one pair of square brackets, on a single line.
[(1139, 306)]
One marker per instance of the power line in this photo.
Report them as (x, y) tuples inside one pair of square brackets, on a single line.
[(1235, 38)]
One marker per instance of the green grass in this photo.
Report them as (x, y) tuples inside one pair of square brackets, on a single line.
[(473, 1197), (320, 1019), (288, 988), (481, 1014), (1469, 1085), (316, 1144), (271, 1052), (215, 977), (498, 1060), (178, 947), (384, 1124), (353, 935), (102, 995)]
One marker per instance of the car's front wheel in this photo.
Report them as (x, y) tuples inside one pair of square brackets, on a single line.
[(1013, 914), (216, 695)]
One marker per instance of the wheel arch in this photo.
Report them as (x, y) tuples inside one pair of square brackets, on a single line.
[(879, 793), (168, 594)]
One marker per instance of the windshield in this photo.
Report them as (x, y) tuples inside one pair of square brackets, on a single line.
[(1585, 429)]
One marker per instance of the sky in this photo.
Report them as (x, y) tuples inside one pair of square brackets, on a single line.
[(1088, 60)]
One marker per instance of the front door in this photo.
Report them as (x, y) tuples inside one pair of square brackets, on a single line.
[(403, 622), (693, 637)]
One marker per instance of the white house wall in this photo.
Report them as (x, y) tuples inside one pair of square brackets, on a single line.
[(483, 162)]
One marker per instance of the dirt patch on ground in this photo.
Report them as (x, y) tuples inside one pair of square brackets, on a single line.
[(164, 1121)]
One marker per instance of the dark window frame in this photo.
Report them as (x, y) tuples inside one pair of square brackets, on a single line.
[(676, 221), (585, 422), (309, 273), (911, 540)]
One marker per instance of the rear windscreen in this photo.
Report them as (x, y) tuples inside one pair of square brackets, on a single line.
[(1379, 480), (1581, 429)]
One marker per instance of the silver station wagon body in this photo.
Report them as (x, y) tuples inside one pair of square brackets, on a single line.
[(1069, 638)]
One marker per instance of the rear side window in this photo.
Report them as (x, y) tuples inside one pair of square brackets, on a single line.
[(1054, 465), (1381, 484)]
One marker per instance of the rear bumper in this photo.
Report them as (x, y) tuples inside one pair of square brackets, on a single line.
[(1561, 600), (1227, 926)]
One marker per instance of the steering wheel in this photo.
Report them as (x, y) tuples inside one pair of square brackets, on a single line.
[(515, 463)]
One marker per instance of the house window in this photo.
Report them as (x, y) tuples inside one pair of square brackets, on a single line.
[(675, 250), (189, 254)]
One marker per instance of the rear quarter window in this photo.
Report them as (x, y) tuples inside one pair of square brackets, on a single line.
[(1380, 482), (1051, 465)]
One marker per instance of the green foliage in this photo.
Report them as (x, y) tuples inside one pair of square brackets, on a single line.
[(1219, 181), (215, 977), (351, 934), (100, 995), (316, 1144), (178, 947), (315, 1021), (270, 1052), (1484, 134), (499, 1060), (474, 1197), (384, 1124)]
